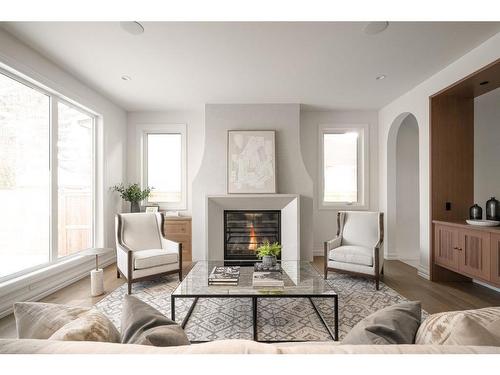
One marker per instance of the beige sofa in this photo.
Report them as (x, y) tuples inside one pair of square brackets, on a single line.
[(25, 346), (434, 336)]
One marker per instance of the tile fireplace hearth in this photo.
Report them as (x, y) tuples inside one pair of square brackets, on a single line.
[(245, 231)]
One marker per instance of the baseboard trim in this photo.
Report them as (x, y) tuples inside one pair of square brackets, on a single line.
[(482, 283), (423, 273), (391, 257), (56, 279), (318, 252)]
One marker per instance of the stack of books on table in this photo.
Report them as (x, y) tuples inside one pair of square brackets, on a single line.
[(224, 276), (267, 276)]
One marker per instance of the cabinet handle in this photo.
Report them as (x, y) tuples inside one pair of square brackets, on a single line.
[(457, 248)]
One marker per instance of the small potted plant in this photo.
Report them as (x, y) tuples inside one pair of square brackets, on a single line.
[(268, 252), (132, 193)]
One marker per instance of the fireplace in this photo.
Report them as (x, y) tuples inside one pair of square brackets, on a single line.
[(244, 231)]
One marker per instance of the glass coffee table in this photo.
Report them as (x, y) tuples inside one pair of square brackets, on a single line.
[(301, 281)]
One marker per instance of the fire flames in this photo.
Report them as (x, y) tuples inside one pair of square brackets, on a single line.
[(253, 239)]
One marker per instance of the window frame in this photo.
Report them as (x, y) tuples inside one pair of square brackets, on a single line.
[(54, 99), (363, 166), (143, 131)]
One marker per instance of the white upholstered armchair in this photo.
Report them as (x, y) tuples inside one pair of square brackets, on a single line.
[(357, 249), (143, 252)]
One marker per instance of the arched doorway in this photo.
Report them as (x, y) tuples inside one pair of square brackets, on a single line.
[(403, 195)]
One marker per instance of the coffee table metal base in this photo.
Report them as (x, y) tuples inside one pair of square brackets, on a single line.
[(334, 335)]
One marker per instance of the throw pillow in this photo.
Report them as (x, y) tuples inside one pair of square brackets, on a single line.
[(91, 326), (470, 332), (36, 320), (436, 329), (144, 325), (395, 324)]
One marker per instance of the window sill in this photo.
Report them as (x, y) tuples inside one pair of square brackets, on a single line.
[(343, 207), (44, 281)]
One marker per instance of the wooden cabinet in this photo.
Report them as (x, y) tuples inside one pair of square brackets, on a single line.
[(474, 259), (178, 229), (446, 245), (495, 258), (467, 250)]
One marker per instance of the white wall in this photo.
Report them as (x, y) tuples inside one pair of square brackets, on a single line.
[(195, 124), (487, 148), (325, 220), (111, 130), (416, 101), (292, 176), (407, 194)]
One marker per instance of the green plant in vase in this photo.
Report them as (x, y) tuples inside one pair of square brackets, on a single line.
[(132, 193), (268, 252)]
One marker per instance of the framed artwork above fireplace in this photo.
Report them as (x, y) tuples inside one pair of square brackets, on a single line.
[(251, 162)]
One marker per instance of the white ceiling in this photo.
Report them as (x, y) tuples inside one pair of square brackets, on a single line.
[(179, 66)]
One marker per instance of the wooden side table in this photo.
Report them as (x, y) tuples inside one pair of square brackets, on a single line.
[(178, 229)]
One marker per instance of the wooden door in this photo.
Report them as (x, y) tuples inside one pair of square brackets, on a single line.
[(475, 253), (446, 241), (495, 258)]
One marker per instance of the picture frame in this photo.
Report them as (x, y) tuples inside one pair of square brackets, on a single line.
[(251, 162), (152, 209)]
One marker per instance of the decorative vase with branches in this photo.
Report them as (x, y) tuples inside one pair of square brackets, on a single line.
[(132, 193)]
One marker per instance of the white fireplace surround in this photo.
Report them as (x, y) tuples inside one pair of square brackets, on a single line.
[(288, 204)]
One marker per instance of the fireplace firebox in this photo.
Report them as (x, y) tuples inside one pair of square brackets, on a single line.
[(245, 231)]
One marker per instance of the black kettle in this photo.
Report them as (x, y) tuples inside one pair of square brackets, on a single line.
[(492, 209)]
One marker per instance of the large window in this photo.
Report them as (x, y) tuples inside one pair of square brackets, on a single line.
[(344, 174), (46, 177), (75, 164), (164, 165)]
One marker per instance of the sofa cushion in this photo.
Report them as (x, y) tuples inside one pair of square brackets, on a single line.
[(470, 332), (353, 255), (144, 325), (91, 326), (37, 320), (154, 257), (436, 329), (395, 324)]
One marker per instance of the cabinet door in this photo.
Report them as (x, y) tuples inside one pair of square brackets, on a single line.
[(495, 258), (475, 253), (180, 231), (446, 242)]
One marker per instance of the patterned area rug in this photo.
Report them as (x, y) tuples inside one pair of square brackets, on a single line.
[(283, 319)]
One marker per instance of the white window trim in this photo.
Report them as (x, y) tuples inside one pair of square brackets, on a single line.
[(142, 131), (54, 98), (363, 166)]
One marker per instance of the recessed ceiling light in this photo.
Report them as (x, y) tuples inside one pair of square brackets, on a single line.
[(484, 83), (126, 77), (132, 27), (372, 28), (381, 77)]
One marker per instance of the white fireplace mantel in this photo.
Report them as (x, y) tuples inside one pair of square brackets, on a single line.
[(288, 204)]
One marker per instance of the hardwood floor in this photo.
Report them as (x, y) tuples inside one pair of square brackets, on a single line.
[(435, 296)]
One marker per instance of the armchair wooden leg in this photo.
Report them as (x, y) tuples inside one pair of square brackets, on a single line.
[(377, 283), (382, 270), (129, 287), (117, 273), (180, 274)]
